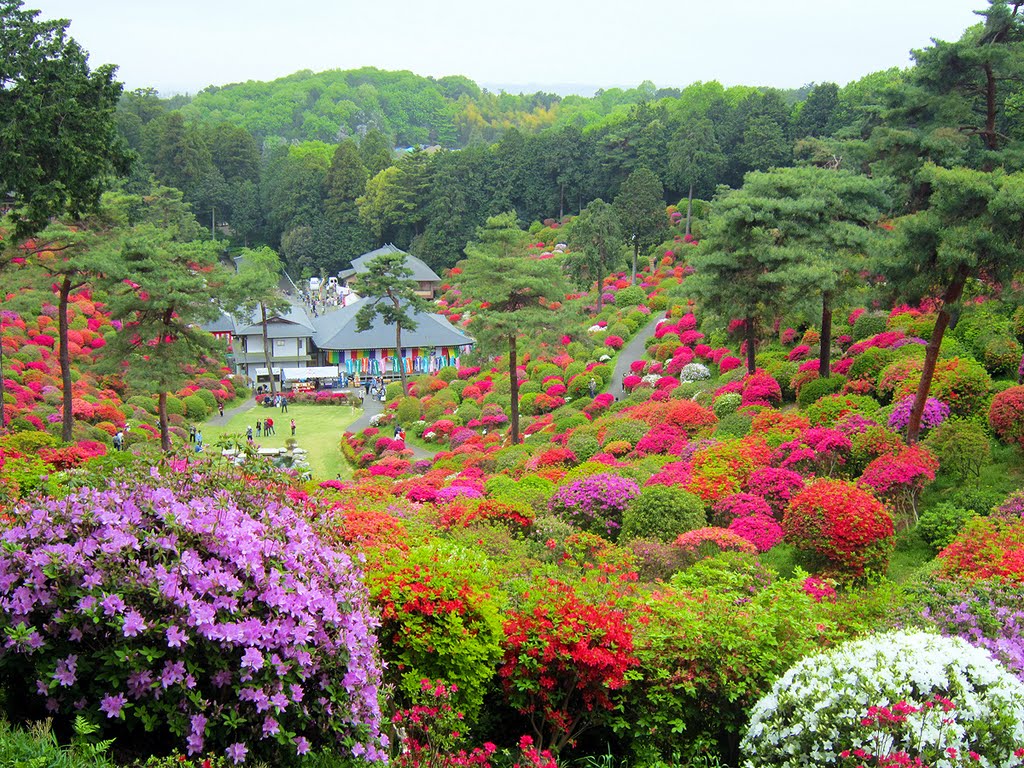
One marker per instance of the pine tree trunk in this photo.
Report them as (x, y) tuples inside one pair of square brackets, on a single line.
[(165, 432), (636, 255), (513, 380), (751, 346), (931, 356), (268, 355), (825, 356), (68, 421), (600, 288), (401, 360), (689, 209)]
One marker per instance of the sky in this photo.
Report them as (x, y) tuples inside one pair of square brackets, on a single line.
[(553, 45)]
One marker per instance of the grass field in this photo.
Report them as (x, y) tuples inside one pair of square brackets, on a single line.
[(318, 429)]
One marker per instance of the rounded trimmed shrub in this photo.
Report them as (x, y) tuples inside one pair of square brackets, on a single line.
[(595, 504), (910, 694), (1006, 416), (663, 512), (840, 526)]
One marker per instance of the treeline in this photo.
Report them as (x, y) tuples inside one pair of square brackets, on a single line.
[(252, 156)]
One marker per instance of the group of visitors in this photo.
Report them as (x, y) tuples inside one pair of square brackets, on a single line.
[(266, 426), (375, 388), (121, 438), (196, 436)]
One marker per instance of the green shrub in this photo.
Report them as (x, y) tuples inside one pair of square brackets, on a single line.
[(734, 425), (869, 363), (980, 500), (826, 411), (408, 410), (175, 405), (817, 388), (726, 403), (583, 445), (1001, 355), (511, 457), (448, 373), (630, 297), (468, 411), (563, 423), (195, 408), (869, 324), (393, 389), (28, 443), (209, 398), (662, 512), (625, 429), (961, 446), (940, 524)]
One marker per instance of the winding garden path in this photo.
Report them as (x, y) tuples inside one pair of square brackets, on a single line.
[(633, 351)]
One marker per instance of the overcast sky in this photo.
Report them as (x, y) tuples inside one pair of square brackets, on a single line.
[(185, 45)]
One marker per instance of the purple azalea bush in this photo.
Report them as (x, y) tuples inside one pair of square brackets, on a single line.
[(190, 616), (987, 614), (596, 503), (935, 412)]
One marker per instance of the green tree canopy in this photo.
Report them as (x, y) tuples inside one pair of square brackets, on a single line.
[(597, 244), (57, 121), (640, 206), (515, 291), (388, 283)]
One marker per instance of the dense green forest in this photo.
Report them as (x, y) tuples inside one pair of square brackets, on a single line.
[(308, 164)]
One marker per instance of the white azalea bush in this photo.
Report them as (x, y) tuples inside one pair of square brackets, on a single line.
[(896, 698), (694, 372)]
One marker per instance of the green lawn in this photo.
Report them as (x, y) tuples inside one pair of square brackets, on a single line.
[(318, 429)]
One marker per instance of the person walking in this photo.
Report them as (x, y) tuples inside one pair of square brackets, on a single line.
[(248, 434), (199, 441), (259, 427), (593, 387), (284, 404), (119, 441), (293, 427), (191, 433), (268, 426), (220, 407)]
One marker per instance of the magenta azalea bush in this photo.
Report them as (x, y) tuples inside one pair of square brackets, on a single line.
[(190, 617)]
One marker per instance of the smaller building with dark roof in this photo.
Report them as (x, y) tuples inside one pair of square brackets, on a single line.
[(427, 281)]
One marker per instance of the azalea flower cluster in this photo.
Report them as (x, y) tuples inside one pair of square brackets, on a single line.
[(881, 695), (232, 627)]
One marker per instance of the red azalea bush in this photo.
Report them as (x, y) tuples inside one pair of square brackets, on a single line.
[(614, 342), (841, 526), (1006, 416), (708, 542), (566, 653), (899, 478), (986, 549), (760, 388)]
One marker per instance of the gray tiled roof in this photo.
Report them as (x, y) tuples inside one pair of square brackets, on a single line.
[(337, 330), (420, 271), (295, 322)]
